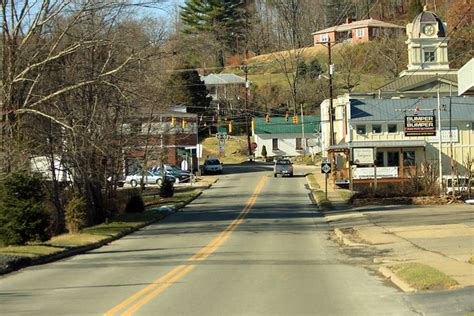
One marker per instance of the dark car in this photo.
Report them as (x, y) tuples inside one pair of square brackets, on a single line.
[(180, 175), (283, 167)]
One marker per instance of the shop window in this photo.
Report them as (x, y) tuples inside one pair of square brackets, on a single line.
[(299, 145), (393, 159), (275, 143), (376, 128), (409, 159), (392, 128), (360, 129)]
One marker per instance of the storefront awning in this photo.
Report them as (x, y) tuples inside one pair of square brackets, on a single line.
[(380, 144)]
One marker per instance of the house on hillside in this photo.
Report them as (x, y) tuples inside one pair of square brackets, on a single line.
[(283, 138), (224, 87), (358, 31), (162, 136)]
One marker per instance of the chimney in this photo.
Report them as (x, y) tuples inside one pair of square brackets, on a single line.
[(349, 20)]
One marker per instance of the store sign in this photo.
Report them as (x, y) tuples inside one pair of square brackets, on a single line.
[(420, 125), (446, 136), (369, 172), (363, 155)]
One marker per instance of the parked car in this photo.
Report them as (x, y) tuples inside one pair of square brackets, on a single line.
[(212, 165), (460, 184), (283, 167), (180, 175), (149, 178)]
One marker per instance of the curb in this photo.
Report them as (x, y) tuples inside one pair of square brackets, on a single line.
[(390, 275), (26, 262), (346, 241)]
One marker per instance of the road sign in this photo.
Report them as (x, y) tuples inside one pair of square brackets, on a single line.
[(325, 168)]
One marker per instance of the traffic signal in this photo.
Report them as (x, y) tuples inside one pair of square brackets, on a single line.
[(173, 120), (183, 123), (286, 116), (253, 124), (230, 127), (267, 119), (295, 119)]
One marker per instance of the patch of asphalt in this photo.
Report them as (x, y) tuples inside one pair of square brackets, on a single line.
[(10, 264)]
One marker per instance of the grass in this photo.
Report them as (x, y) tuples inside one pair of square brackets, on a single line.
[(235, 149), (471, 260), (346, 195), (323, 203), (423, 277), (30, 251), (117, 225), (312, 181)]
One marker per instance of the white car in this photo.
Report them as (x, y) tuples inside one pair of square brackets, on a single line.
[(212, 165), (148, 178)]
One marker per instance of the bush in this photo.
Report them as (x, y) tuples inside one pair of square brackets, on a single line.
[(135, 205), (167, 189), (23, 216), (76, 215)]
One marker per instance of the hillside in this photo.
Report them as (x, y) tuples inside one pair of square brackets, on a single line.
[(235, 149)]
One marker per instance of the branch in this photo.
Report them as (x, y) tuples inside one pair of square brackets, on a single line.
[(20, 111)]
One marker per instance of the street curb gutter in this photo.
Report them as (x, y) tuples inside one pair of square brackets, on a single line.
[(346, 241), (26, 262), (390, 275)]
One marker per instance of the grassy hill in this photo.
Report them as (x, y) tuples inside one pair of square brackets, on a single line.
[(235, 149)]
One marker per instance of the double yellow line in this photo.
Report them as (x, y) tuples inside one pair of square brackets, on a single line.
[(137, 300)]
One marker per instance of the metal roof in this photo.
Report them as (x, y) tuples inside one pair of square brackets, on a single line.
[(409, 81), (278, 125), (222, 79), (358, 24), (383, 110), (381, 144)]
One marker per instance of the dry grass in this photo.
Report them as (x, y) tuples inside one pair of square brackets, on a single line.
[(423, 277), (471, 260), (30, 251), (312, 182), (79, 239), (235, 149)]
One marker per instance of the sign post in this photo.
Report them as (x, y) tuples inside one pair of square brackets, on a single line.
[(326, 168)]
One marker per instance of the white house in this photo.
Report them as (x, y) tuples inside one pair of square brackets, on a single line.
[(283, 138)]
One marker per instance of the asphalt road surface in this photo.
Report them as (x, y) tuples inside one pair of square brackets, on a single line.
[(250, 245)]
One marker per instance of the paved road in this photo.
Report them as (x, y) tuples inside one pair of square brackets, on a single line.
[(250, 245)]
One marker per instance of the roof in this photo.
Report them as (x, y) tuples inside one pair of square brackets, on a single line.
[(359, 24), (427, 17), (406, 143), (383, 110), (222, 79), (408, 81), (278, 125)]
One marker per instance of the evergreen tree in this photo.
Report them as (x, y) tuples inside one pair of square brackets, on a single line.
[(191, 91), (301, 69), (315, 69), (415, 8), (225, 20)]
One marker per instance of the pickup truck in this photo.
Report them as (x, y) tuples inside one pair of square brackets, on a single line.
[(283, 167)]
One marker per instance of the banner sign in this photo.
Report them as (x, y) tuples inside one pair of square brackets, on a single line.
[(369, 172), (363, 155), (446, 136), (420, 125)]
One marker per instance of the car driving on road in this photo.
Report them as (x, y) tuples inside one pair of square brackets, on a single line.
[(283, 167), (212, 165)]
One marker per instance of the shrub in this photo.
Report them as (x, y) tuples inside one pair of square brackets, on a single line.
[(76, 214), (23, 216), (264, 152), (135, 205), (167, 189)]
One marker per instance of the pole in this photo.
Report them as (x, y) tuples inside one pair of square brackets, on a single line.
[(440, 157), (303, 140), (326, 185), (331, 123), (249, 146)]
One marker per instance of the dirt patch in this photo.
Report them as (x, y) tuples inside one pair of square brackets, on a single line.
[(419, 200)]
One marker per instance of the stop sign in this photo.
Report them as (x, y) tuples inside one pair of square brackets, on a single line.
[(254, 146)]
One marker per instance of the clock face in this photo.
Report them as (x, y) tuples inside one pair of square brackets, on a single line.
[(429, 29)]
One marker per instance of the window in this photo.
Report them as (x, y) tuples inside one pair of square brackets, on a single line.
[(379, 159), (360, 32), (275, 143), (376, 128), (324, 37), (472, 126), (136, 128), (392, 128), (429, 56), (361, 130), (298, 144), (393, 159), (409, 158)]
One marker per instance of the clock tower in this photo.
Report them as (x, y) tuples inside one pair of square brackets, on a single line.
[(427, 45)]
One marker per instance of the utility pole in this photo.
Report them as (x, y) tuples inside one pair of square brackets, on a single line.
[(440, 156), (246, 70), (303, 140), (331, 115)]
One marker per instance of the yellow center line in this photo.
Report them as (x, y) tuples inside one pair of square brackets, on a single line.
[(180, 271)]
